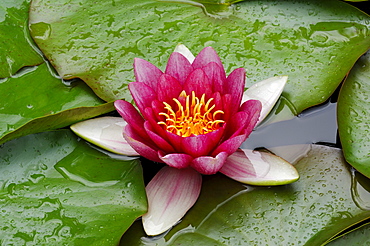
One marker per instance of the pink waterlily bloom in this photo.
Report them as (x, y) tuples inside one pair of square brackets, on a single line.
[(190, 115), (193, 118)]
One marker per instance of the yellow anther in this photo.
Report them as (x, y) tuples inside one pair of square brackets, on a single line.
[(193, 117)]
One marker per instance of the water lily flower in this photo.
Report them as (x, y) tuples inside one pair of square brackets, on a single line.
[(193, 118)]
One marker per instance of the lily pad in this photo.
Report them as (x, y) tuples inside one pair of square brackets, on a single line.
[(57, 190), (359, 237), (315, 42), (354, 116), (35, 101), (16, 45), (310, 211)]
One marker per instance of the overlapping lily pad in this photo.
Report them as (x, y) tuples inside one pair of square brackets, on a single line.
[(35, 101), (57, 190), (359, 237), (16, 45), (309, 212), (354, 116), (306, 40)]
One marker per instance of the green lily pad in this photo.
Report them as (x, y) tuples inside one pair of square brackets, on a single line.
[(57, 190), (315, 42), (16, 44), (35, 101), (360, 237), (310, 211), (354, 116)]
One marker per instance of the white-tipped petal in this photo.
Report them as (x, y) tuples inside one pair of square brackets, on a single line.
[(267, 92), (105, 132), (183, 50), (291, 153), (259, 168), (171, 193)]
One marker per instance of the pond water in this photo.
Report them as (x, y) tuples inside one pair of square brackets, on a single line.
[(314, 125)]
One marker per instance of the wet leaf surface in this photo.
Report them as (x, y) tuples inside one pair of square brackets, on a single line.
[(354, 116), (35, 101), (57, 190), (315, 43), (307, 212), (16, 44)]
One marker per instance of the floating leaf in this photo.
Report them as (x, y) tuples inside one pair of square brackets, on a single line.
[(35, 101), (310, 211), (16, 45), (57, 190), (354, 116), (315, 42), (359, 237)]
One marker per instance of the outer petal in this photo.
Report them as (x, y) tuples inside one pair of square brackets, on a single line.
[(140, 145), (231, 145), (198, 82), (235, 86), (209, 165), (179, 67), (176, 160), (267, 92), (131, 116), (216, 75), (246, 119), (143, 95), (207, 55), (146, 73), (105, 132), (183, 50), (171, 193), (259, 168)]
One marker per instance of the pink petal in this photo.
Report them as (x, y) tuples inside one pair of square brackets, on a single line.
[(146, 73), (245, 119), (235, 86), (153, 119), (168, 88), (259, 168), (131, 116), (157, 107), (206, 56), (217, 99), (236, 124), (176, 160), (216, 75), (161, 143), (230, 145), (143, 95), (228, 111), (178, 67), (198, 82), (142, 146), (253, 107), (175, 140), (209, 165), (171, 193), (201, 145)]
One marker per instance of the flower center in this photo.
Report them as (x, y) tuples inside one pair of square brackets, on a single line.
[(193, 117)]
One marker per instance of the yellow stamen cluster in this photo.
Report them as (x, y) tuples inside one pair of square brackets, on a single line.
[(195, 117)]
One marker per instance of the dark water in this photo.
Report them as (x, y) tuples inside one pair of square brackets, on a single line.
[(312, 126)]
